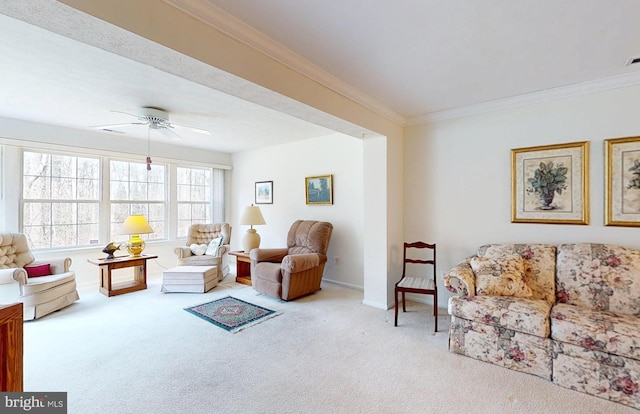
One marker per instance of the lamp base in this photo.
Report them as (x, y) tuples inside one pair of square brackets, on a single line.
[(251, 240), (135, 245)]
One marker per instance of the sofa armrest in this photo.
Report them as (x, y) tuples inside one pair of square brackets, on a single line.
[(268, 255), (182, 252), (58, 266), (461, 280), (294, 263), (13, 275)]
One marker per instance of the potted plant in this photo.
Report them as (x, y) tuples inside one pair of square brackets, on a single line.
[(635, 172), (548, 180)]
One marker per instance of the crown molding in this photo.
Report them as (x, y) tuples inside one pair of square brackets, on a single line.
[(568, 91), (235, 28), (222, 21)]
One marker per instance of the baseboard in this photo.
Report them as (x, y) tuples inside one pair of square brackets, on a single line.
[(347, 285)]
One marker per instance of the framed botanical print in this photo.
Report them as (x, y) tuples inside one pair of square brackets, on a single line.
[(622, 181), (549, 184)]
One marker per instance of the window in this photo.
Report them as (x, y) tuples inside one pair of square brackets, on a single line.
[(60, 200), (193, 197), (136, 190), (74, 200)]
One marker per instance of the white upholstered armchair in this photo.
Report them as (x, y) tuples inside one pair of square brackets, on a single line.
[(51, 286), (200, 234)]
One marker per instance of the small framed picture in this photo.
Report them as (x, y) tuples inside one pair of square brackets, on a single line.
[(319, 189), (264, 192)]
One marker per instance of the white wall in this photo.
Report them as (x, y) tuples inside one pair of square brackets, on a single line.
[(457, 173), (287, 166)]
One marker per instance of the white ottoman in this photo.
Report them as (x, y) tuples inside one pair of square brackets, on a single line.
[(196, 279)]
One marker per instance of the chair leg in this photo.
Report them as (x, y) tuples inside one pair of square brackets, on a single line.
[(395, 295), (435, 312), (404, 308)]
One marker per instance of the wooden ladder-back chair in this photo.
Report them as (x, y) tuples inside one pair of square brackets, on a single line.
[(421, 285)]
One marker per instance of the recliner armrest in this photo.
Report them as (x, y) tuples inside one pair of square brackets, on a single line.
[(13, 275), (268, 255), (294, 263), (183, 251)]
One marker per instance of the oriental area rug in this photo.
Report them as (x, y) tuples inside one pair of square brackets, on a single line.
[(232, 314)]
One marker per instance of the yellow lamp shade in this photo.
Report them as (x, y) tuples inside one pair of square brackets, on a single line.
[(135, 225)]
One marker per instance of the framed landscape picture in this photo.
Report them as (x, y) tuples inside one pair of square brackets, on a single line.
[(549, 184), (264, 192), (622, 182), (319, 189)]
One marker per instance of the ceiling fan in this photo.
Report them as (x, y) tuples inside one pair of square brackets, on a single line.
[(155, 119)]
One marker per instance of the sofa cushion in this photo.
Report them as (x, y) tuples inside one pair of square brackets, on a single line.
[(596, 330), (599, 277), (502, 276), (521, 315), (539, 265), (43, 283)]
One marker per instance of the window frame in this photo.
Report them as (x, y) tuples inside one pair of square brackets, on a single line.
[(58, 201), (15, 212)]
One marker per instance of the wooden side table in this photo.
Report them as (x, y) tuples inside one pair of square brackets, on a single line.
[(243, 267), (139, 282)]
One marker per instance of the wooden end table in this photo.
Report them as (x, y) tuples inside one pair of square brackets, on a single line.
[(243, 267), (139, 282)]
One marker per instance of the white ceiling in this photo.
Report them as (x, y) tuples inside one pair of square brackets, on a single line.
[(424, 56), (411, 57)]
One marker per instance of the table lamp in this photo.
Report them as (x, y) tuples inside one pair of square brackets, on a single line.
[(251, 216), (135, 225)]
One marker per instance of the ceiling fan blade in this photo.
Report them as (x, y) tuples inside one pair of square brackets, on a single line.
[(116, 125), (192, 129), (122, 112), (169, 133)]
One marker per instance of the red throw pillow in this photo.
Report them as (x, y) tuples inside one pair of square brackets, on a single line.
[(38, 270)]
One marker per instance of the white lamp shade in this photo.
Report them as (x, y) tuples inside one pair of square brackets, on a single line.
[(252, 216), (136, 224)]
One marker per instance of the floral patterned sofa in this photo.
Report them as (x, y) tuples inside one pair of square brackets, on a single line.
[(568, 313)]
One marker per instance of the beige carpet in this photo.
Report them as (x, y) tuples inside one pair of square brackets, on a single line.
[(326, 353)]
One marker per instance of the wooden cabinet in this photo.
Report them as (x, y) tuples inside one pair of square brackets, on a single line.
[(11, 348)]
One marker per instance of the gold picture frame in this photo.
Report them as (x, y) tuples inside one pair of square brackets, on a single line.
[(549, 184), (622, 182), (319, 189)]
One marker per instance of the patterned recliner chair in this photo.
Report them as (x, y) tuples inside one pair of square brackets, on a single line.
[(203, 234), (296, 270), (40, 295)]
